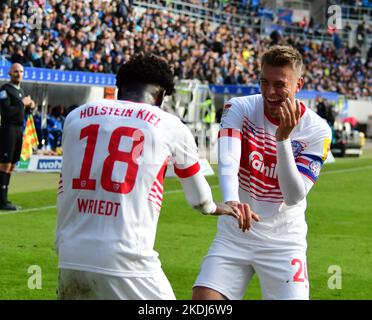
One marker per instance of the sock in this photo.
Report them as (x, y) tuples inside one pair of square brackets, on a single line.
[(3, 187), (7, 186)]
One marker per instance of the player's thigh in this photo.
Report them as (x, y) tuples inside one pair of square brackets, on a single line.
[(84, 285), (75, 285), (283, 275), (227, 274)]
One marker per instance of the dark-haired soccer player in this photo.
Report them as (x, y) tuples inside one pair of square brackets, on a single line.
[(111, 189)]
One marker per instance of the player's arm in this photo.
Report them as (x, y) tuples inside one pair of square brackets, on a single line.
[(4, 99), (295, 181), (291, 184), (199, 195), (229, 153), (187, 168)]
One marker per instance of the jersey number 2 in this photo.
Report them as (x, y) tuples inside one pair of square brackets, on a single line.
[(85, 182), (302, 269)]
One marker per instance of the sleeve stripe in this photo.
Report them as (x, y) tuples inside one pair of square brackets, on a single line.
[(230, 133), (187, 172), (306, 172), (313, 157)]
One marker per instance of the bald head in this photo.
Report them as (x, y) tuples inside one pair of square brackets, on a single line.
[(16, 73)]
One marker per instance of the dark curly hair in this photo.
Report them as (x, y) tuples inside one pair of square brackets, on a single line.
[(146, 69)]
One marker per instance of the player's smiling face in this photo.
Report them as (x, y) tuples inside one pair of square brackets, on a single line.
[(277, 84)]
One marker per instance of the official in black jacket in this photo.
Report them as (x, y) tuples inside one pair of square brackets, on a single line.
[(12, 109)]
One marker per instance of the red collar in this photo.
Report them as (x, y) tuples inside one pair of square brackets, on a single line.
[(277, 121)]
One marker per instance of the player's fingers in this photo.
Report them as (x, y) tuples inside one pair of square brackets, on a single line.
[(291, 113), (298, 111), (244, 217), (235, 212), (247, 209), (255, 216), (286, 117), (239, 216), (244, 208), (282, 119)]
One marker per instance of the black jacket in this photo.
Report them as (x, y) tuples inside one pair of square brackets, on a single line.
[(12, 108)]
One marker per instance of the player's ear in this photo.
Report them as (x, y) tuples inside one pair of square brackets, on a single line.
[(300, 84)]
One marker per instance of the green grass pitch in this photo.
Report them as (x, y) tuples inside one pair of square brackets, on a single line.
[(339, 217)]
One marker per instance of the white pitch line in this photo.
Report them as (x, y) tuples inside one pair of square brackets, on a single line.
[(28, 210), (346, 170), (53, 207), (181, 190)]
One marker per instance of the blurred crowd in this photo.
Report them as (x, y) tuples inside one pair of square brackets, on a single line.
[(50, 135), (243, 7), (98, 36), (357, 4)]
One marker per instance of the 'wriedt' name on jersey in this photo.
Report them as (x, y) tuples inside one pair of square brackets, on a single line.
[(99, 207)]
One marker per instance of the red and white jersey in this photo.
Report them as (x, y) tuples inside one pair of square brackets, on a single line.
[(110, 194), (244, 118)]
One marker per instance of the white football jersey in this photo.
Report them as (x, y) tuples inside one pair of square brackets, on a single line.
[(244, 117), (111, 187)]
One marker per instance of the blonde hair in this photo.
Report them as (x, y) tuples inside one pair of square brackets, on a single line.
[(280, 56)]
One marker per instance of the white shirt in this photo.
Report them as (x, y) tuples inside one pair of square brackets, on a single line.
[(257, 183), (111, 188)]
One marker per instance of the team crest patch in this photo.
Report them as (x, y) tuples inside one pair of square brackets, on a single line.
[(226, 108), (3, 94), (315, 167), (297, 147)]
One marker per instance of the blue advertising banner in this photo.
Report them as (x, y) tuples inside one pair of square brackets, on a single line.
[(108, 80), (63, 77), (234, 89), (240, 90)]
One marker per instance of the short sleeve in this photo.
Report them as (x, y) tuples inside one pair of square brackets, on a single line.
[(310, 161), (185, 155), (232, 115), (4, 97)]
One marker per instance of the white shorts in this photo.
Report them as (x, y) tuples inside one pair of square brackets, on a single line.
[(274, 248), (85, 285)]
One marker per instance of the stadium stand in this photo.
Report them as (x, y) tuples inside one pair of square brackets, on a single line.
[(97, 36)]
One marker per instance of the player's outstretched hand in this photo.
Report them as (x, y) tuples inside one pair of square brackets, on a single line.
[(245, 214), (225, 209), (289, 115)]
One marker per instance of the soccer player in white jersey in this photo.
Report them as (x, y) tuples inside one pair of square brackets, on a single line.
[(111, 188), (271, 150)]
